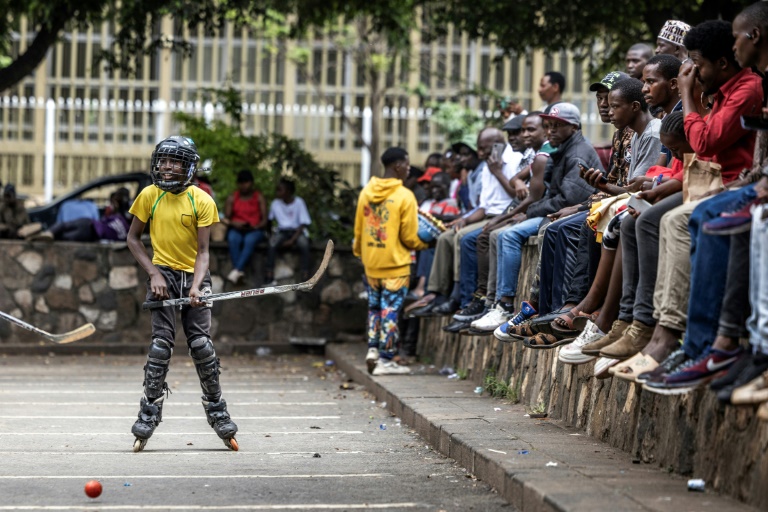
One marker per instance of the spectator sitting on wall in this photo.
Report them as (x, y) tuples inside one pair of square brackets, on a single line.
[(14, 220), (292, 218), (111, 227), (245, 215)]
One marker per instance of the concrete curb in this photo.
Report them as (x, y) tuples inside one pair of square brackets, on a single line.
[(537, 466)]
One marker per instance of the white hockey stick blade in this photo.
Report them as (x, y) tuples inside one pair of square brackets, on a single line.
[(256, 292), (60, 339)]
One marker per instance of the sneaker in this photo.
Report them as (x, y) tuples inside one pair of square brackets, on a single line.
[(42, 236), (526, 313), (492, 319), (757, 364), (617, 330), (476, 309), (603, 365), (733, 373), (673, 361), (456, 326), (234, 276), (371, 358), (571, 354), (448, 307), (734, 222), (385, 367), (701, 370)]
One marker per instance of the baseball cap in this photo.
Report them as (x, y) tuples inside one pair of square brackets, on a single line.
[(674, 31), (427, 176), (468, 140), (514, 125), (565, 113), (608, 81)]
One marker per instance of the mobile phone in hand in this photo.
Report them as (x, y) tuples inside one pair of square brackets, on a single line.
[(584, 170), (758, 123), (497, 151)]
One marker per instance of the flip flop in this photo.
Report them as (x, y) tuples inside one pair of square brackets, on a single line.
[(521, 331), (544, 340), (424, 301), (634, 366)]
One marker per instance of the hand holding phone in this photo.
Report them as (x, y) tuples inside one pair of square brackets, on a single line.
[(585, 170), (497, 151)]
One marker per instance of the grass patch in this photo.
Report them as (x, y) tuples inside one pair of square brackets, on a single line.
[(499, 388)]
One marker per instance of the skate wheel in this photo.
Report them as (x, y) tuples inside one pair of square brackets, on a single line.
[(232, 444), (139, 445)]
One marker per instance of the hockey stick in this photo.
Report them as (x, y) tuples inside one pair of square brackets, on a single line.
[(256, 292), (67, 337)]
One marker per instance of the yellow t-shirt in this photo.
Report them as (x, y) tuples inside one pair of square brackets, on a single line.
[(175, 219)]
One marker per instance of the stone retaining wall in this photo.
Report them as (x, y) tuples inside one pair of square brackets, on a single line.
[(689, 434), (60, 286)]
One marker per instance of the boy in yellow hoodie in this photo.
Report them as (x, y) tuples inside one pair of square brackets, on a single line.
[(386, 231)]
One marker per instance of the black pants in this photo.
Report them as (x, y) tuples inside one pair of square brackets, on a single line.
[(78, 230), (640, 259), (196, 322), (736, 308)]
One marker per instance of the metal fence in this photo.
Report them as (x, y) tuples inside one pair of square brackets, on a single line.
[(107, 123)]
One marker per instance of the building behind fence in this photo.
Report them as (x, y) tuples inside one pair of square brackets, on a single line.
[(100, 122)]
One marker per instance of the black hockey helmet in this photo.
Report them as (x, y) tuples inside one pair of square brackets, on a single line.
[(173, 164)]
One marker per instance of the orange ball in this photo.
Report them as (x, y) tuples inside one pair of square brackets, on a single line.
[(93, 489)]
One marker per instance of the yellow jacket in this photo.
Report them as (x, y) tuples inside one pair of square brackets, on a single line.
[(386, 228)]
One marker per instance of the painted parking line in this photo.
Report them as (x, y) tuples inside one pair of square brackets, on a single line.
[(10, 417), (239, 433), (198, 477), (129, 392), (130, 453), (303, 506), (196, 404)]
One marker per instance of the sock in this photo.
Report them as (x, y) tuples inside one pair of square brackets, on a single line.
[(509, 307)]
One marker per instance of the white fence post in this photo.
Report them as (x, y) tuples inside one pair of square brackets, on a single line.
[(365, 152), (161, 108), (208, 112), (50, 133)]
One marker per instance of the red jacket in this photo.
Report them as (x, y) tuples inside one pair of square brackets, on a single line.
[(721, 137)]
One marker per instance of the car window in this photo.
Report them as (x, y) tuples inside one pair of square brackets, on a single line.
[(100, 195)]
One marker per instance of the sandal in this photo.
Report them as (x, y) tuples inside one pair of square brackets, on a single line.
[(424, 301), (570, 321), (634, 366), (544, 340), (521, 331)]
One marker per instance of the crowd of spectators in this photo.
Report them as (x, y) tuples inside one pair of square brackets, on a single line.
[(650, 261)]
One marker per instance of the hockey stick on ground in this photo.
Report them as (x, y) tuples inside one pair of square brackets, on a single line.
[(67, 337), (256, 292)]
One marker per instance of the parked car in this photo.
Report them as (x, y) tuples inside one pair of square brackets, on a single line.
[(98, 191)]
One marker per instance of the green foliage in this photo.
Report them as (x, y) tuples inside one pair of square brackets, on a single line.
[(329, 198), (498, 388), (455, 121), (539, 408), (462, 373)]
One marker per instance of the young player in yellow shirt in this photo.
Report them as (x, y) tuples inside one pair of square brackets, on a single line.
[(180, 216)]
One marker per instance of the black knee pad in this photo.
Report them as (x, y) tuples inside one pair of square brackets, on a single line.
[(201, 350), (158, 360), (207, 366)]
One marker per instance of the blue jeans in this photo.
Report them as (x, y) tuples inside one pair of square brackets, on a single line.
[(558, 258), (509, 254), (242, 244), (758, 282), (468, 266), (709, 267)]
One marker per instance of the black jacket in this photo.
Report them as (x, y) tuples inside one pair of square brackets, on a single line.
[(565, 186)]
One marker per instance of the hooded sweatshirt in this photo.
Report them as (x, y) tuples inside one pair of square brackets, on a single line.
[(386, 228)]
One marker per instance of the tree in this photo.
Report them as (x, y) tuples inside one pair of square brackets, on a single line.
[(577, 25)]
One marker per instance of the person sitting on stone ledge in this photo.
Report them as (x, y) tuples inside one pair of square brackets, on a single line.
[(113, 226), (14, 220), (292, 219)]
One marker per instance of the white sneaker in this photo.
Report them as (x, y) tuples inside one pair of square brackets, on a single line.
[(602, 366), (371, 357), (491, 320), (571, 354), (385, 367), (234, 276)]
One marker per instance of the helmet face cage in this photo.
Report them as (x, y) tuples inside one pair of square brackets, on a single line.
[(173, 164)]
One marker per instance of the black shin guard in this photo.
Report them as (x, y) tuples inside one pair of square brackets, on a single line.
[(207, 366), (158, 360)]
